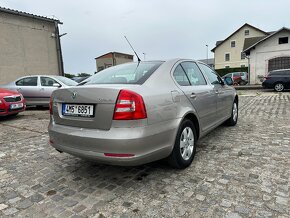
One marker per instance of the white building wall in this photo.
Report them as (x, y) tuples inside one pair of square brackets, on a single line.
[(265, 51)]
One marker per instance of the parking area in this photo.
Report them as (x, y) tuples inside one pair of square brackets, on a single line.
[(241, 171)]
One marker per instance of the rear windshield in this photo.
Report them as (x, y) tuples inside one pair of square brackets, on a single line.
[(67, 81), (131, 73)]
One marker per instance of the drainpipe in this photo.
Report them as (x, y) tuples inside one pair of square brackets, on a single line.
[(249, 75), (114, 59), (58, 50)]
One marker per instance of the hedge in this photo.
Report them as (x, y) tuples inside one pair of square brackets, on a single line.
[(224, 71)]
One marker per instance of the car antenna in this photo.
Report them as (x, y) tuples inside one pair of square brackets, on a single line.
[(133, 49)]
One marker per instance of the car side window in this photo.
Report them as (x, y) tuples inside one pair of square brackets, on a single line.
[(47, 81), (211, 75), (180, 76), (194, 74), (28, 81)]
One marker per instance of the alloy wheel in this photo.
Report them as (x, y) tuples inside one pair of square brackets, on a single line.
[(279, 87), (186, 143)]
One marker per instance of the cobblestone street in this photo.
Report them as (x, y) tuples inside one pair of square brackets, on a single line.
[(241, 171)]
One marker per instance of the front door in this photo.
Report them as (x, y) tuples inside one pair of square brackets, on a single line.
[(223, 93)]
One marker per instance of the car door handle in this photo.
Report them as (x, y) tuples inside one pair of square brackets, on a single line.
[(18, 89), (193, 95), (41, 89)]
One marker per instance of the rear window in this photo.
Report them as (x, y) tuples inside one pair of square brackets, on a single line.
[(66, 81), (131, 73)]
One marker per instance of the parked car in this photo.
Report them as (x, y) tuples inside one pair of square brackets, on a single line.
[(277, 80), (37, 89), (136, 113), (11, 102), (240, 78), (79, 79)]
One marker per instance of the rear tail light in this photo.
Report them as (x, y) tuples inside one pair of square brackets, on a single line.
[(50, 105), (129, 106)]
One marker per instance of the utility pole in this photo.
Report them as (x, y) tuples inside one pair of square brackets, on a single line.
[(206, 54)]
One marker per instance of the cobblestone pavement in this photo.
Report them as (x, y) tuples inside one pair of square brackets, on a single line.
[(240, 171)]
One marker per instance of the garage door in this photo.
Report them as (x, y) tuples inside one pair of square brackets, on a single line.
[(279, 63)]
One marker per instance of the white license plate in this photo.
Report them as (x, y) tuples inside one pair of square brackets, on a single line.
[(78, 110), (16, 106)]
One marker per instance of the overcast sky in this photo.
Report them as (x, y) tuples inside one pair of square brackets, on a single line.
[(162, 29)]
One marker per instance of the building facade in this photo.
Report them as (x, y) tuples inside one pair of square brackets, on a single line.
[(269, 53), (112, 59), (228, 53), (29, 45)]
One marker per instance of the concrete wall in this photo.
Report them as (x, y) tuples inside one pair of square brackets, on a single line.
[(235, 53), (26, 47), (265, 51)]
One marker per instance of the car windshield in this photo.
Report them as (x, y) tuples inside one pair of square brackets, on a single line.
[(66, 81), (131, 73)]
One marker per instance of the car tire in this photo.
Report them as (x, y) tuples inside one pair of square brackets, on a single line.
[(243, 83), (185, 146), (279, 87), (232, 121)]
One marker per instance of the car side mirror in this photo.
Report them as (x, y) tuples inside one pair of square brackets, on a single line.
[(229, 81), (56, 85)]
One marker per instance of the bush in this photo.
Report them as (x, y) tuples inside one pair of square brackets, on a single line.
[(224, 71)]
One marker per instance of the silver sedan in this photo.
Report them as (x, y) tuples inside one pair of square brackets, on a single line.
[(37, 89), (136, 113)]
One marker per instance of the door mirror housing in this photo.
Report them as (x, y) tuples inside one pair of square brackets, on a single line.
[(56, 85), (229, 81)]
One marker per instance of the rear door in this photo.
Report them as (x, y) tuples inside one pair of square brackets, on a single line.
[(201, 95), (28, 87), (223, 93)]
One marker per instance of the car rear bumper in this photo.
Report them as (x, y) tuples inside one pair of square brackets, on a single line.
[(146, 144), (267, 85)]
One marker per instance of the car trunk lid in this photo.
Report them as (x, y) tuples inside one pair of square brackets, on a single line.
[(103, 99)]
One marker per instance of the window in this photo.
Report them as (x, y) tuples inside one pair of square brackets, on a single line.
[(180, 76), (247, 32), (279, 63), (233, 44), (283, 40), (243, 55), (193, 73), (211, 75), (131, 73), (227, 66), (227, 57), (28, 81), (243, 65), (47, 81)]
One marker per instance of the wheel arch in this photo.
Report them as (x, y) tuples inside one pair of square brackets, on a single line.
[(193, 118)]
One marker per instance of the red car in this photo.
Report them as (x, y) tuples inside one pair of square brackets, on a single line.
[(11, 102)]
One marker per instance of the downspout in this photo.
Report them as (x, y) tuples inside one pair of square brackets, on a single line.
[(58, 50)]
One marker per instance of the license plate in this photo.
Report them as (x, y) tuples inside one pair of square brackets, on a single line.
[(16, 106), (78, 110)]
